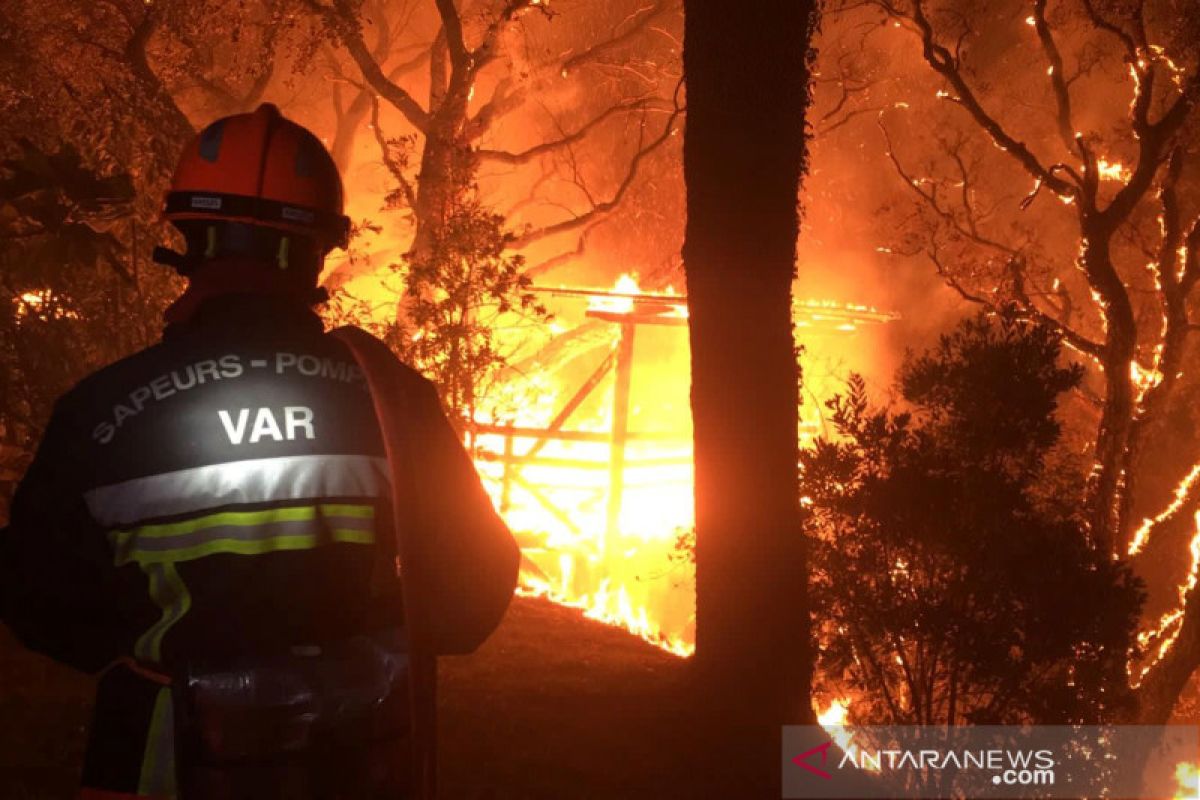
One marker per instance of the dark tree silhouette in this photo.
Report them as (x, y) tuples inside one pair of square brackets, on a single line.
[(75, 295), (955, 579), (747, 83)]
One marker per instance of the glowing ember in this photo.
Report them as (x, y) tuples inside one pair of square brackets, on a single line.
[(1182, 492), (835, 714), (1144, 379), (1112, 170), (1188, 777), (834, 720), (41, 304)]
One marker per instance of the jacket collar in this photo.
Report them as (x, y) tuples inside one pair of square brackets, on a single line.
[(247, 314)]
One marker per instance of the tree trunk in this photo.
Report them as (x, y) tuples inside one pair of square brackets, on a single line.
[(744, 150), (440, 180), (1120, 349), (1167, 677)]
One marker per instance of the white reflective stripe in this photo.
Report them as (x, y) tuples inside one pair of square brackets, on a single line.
[(259, 480)]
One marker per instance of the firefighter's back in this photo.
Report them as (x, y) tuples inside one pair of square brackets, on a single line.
[(238, 474), (236, 477)]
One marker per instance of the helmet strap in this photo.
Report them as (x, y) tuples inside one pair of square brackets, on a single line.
[(282, 256), (210, 246), (217, 241)]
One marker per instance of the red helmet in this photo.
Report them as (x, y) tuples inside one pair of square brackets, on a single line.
[(262, 170)]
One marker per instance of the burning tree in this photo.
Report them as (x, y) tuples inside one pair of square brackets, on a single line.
[(1064, 186), (456, 279)]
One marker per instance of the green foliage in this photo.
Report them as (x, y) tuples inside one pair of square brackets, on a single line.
[(458, 294), (947, 590), (992, 385), (464, 301)]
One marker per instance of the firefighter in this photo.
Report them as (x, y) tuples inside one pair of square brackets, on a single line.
[(256, 533)]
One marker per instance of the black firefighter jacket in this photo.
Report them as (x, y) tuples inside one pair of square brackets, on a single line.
[(227, 492)]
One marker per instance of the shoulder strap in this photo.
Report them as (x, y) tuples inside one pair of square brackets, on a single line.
[(396, 424)]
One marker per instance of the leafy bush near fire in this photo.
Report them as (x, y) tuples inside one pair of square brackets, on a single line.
[(458, 297), (954, 581), (458, 294)]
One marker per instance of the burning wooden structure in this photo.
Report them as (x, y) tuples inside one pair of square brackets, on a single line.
[(599, 497)]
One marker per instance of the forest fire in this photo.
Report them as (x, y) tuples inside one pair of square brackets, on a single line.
[(992, 516)]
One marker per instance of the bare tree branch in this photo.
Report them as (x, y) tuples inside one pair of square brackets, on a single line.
[(509, 96), (1030, 309), (953, 282), (486, 52), (525, 156), (350, 117), (969, 231), (1062, 96), (452, 26), (943, 62), (1131, 49), (930, 198), (641, 20), (389, 161), (606, 207), (135, 52), (341, 19), (567, 257)]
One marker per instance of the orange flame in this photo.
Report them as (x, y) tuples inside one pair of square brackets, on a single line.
[(1169, 624)]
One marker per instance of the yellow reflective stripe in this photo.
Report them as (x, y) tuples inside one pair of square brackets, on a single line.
[(338, 510), (170, 594), (249, 518), (252, 547), (157, 777), (245, 533)]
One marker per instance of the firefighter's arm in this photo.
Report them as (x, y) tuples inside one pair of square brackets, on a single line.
[(54, 567), (471, 557)]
